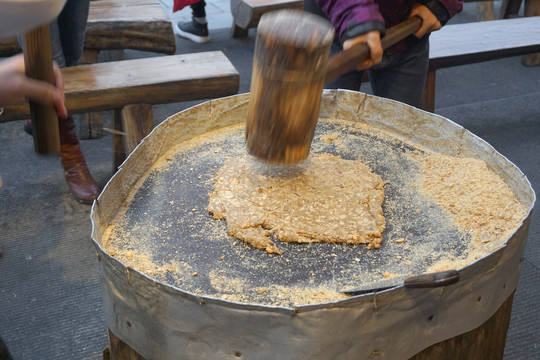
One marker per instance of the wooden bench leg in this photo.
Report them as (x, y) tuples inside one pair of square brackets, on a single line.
[(131, 124), (90, 124), (532, 8), (119, 350), (485, 10), (509, 9), (429, 92), (238, 32)]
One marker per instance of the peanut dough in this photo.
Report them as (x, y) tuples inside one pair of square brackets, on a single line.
[(324, 199)]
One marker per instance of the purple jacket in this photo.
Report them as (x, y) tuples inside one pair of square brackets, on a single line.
[(355, 17)]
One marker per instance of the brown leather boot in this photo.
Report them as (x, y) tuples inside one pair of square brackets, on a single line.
[(82, 185)]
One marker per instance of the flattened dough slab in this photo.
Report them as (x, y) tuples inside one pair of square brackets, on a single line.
[(324, 199)]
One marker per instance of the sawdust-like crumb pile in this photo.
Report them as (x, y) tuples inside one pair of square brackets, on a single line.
[(478, 200), (326, 199)]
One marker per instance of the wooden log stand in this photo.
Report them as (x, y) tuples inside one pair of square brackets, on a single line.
[(486, 342)]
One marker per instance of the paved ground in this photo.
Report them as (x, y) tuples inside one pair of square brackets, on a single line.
[(50, 297)]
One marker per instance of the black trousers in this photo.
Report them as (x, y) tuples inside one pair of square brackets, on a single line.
[(197, 10)]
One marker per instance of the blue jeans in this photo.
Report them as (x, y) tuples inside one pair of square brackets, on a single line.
[(400, 76), (68, 32)]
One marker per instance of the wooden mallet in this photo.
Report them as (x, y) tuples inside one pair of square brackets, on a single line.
[(39, 65), (290, 68)]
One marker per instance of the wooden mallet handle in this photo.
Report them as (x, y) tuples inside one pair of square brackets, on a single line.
[(39, 65), (345, 60)]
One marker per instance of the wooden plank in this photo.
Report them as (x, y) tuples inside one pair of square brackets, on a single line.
[(139, 27), (157, 80), (247, 13), (469, 43)]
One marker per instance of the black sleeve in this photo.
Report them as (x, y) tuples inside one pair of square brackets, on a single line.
[(437, 9)]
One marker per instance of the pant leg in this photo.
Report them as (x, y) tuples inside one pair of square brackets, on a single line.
[(351, 80), (56, 44), (198, 9), (402, 76), (72, 29)]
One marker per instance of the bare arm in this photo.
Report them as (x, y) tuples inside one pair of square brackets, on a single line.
[(14, 85)]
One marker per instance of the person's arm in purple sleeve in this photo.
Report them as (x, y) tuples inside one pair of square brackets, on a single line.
[(443, 10), (435, 14), (353, 17), (357, 22)]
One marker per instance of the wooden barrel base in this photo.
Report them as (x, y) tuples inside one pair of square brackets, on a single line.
[(486, 342)]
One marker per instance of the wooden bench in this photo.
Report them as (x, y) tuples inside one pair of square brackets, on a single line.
[(247, 13), (129, 24), (461, 44), (115, 25), (121, 24), (131, 87)]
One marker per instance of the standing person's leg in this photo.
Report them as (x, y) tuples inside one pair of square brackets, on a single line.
[(198, 11), (351, 80), (56, 44), (81, 183), (72, 29), (402, 76), (197, 29), (67, 38)]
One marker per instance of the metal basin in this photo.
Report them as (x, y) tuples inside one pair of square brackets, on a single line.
[(162, 319)]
